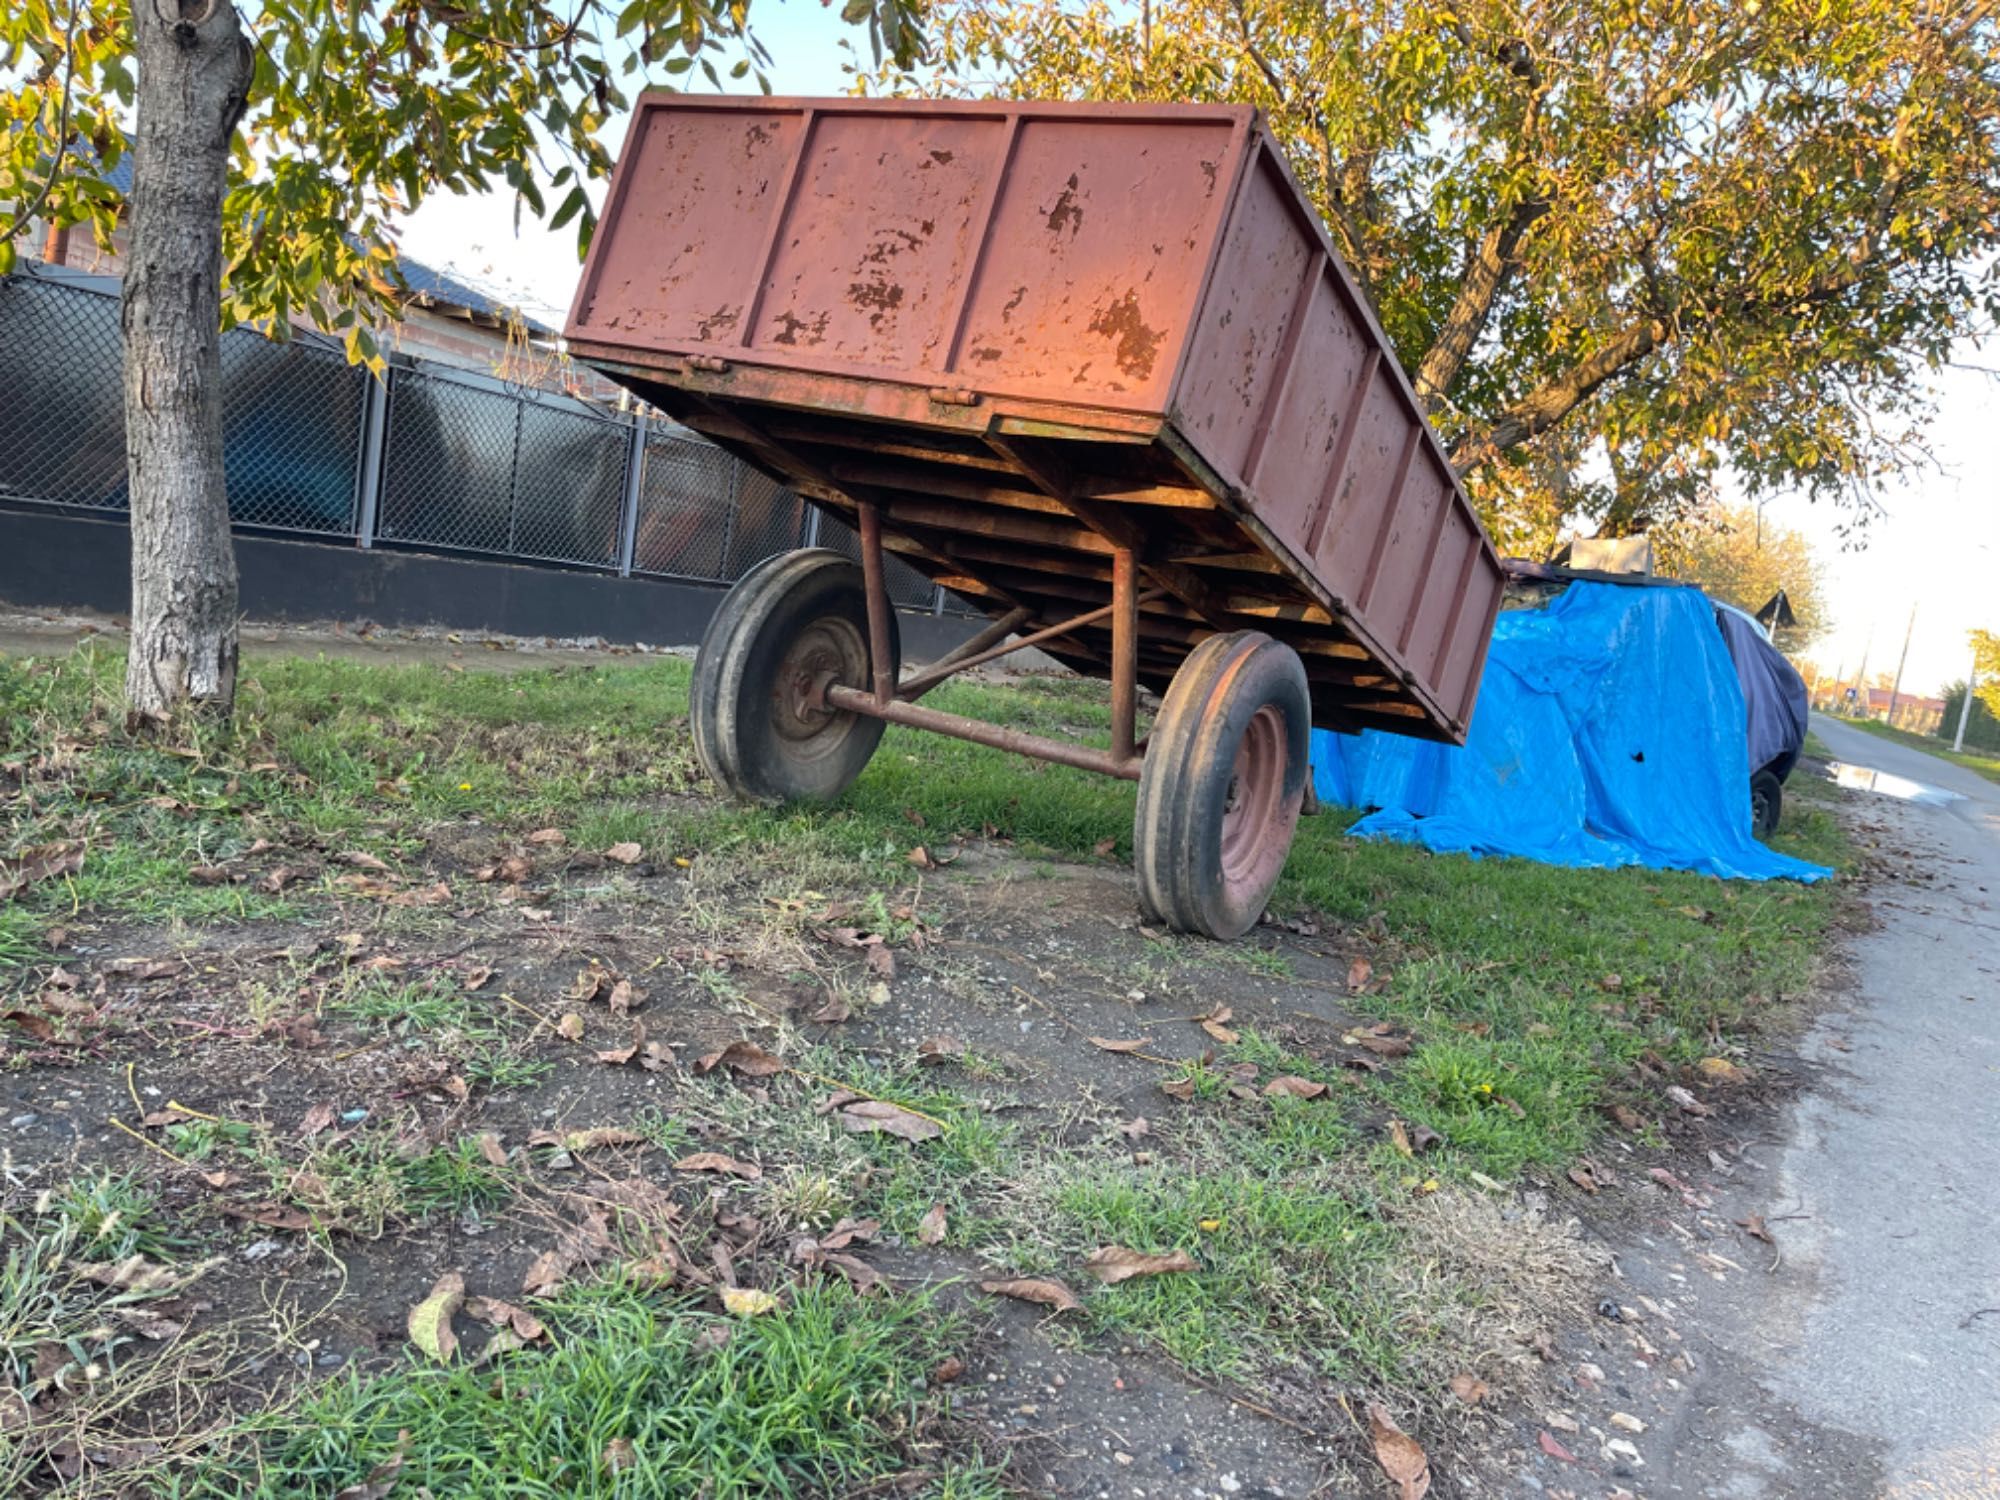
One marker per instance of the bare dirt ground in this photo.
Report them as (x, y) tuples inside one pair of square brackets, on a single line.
[(513, 1056)]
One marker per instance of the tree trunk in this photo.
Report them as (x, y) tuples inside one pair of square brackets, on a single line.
[(194, 74)]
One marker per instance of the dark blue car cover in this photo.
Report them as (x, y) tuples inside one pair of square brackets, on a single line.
[(1610, 730), (1774, 695)]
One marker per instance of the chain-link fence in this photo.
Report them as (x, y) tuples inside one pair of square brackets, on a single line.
[(432, 457)]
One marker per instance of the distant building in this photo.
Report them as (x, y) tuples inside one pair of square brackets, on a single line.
[(1918, 714)]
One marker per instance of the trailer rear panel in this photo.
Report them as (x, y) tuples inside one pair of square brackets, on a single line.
[(1035, 333)]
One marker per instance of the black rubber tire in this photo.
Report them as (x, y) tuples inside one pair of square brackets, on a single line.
[(1185, 784), (1767, 802), (742, 704)]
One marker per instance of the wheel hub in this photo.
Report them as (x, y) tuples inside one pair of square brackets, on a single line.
[(825, 652)]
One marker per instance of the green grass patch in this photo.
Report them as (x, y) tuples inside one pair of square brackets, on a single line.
[(823, 1396)]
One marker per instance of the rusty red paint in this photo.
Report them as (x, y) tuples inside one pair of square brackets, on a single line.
[(1132, 305)]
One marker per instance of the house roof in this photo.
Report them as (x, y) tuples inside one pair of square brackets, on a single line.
[(430, 287)]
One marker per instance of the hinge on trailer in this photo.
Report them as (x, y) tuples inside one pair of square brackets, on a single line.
[(948, 396), (713, 364)]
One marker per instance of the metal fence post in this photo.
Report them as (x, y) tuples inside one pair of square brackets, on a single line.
[(812, 523), (635, 473), (729, 518), (374, 441)]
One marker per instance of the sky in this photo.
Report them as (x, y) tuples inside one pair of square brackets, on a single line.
[(1934, 546)]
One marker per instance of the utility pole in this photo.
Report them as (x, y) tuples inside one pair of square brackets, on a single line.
[(1897, 686), (1861, 676), (1965, 708)]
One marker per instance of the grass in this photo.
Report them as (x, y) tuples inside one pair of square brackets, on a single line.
[(826, 1395), (1532, 997), (1986, 765)]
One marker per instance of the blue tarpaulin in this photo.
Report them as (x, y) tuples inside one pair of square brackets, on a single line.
[(1610, 731)]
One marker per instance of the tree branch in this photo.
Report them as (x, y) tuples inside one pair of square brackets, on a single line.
[(1488, 265), (25, 216), (1555, 399), (1489, 261)]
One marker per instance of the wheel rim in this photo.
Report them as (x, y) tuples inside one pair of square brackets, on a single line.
[(1254, 811), (829, 650)]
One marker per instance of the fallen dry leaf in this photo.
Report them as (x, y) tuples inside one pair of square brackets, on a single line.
[(1754, 1227), (1722, 1070), (947, 1370), (1213, 1025), (1626, 1118), (492, 1310), (361, 860), (1178, 1088), (1686, 1102), (381, 1480), (477, 978), (570, 1027), (42, 862), (1381, 1045), (881, 961), (1136, 1129), (581, 1244), (865, 1115), (1103, 847), (1402, 1458), (1292, 1086), (1112, 1264), (548, 836), (1555, 1449), (1469, 1388), (1051, 1294), (832, 1012), (587, 985), (1399, 1137), (715, 1161), (1114, 1044), (624, 854), (41, 1028), (318, 1118), (1358, 973), (747, 1058), (619, 1056), (491, 1149), (619, 1455), (931, 1227), (748, 1302), (623, 998), (430, 1319), (936, 1051)]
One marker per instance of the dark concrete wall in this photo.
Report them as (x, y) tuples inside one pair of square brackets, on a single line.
[(50, 560)]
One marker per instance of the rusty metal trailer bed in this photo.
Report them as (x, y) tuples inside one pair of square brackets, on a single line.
[(1094, 367)]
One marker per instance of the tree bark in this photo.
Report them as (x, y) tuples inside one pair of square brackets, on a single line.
[(194, 75), (1488, 265)]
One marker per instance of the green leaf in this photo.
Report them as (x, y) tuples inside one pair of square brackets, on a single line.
[(573, 204)]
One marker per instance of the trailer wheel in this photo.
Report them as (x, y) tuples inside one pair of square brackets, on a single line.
[(1767, 801), (1222, 784), (792, 624)]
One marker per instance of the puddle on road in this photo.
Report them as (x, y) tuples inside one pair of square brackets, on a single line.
[(1868, 779)]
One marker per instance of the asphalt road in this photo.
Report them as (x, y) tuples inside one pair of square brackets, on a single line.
[(1894, 1163), (1855, 1355)]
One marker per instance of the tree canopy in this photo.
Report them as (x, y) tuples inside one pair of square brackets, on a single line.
[(1986, 662), (1740, 559), (357, 112), (1618, 244)]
